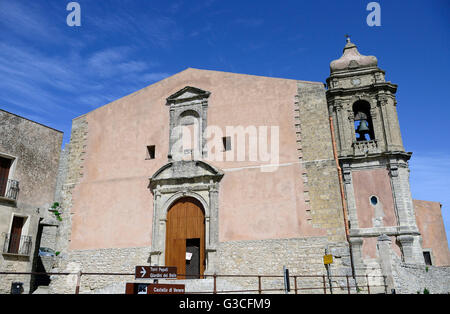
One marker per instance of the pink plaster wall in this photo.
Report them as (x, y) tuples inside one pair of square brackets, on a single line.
[(431, 226), (370, 250), (374, 182), (368, 183), (112, 206)]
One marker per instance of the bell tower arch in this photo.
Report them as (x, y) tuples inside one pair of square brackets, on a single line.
[(362, 105)]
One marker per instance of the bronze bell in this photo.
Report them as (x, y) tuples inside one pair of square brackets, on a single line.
[(363, 129)]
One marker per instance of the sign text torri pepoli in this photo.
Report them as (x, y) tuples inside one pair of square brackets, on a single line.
[(155, 272)]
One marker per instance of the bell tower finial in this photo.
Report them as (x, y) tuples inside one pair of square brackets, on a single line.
[(347, 36)]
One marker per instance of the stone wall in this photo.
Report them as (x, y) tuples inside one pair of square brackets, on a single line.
[(432, 229), (413, 279), (15, 264), (302, 256), (117, 260), (62, 173), (73, 173), (320, 173), (408, 278), (34, 150), (72, 161)]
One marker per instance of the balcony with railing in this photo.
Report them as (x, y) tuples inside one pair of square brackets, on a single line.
[(19, 245), (365, 147), (9, 190)]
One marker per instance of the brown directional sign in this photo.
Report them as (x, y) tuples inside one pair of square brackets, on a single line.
[(155, 272), (145, 288), (165, 289)]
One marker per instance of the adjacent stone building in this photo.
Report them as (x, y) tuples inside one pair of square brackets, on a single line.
[(224, 173), (29, 157), (432, 231)]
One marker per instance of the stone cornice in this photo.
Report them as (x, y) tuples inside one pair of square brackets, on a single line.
[(195, 171), (395, 154), (192, 92), (368, 88)]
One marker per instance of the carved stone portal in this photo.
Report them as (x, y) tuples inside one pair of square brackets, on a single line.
[(176, 180)]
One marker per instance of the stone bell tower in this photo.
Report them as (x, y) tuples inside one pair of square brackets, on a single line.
[(362, 105)]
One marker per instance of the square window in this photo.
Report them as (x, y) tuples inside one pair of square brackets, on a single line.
[(150, 152), (427, 257), (226, 143)]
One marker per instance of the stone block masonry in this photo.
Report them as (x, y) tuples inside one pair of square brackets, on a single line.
[(302, 256), (33, 152), (115, 260), (72, 175), (413, 279), (320, 173)]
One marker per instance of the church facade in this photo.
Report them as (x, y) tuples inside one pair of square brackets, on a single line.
[(224, 173)]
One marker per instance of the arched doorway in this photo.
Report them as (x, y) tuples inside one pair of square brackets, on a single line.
[(185, 238)]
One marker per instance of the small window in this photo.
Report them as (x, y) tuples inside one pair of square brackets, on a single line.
[(150, 152), (427, 257), (374, 200), (226, 143)]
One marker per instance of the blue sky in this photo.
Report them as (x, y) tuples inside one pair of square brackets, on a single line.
[(52, 73)]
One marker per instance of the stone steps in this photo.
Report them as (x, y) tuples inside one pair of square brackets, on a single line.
[(42, 290)]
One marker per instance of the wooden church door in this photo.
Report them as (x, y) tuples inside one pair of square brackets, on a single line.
[(185, 238)]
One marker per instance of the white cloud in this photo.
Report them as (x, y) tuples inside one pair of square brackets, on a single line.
[(44, 71), (41, 83), (26, 19), (149, 27)]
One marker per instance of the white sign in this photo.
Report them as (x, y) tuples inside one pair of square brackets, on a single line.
[(188, 256)]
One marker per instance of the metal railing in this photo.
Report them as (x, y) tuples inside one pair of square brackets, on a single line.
[(17, 245), (271, 284), (9, 189)]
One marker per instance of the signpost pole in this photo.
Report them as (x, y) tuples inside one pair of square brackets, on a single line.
[(259, 285), (328, 260), (324, 285), (368, 286), (77, 289), (348, 284), (287, 286)]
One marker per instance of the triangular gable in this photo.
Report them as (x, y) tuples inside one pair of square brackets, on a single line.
[(188, 93)]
